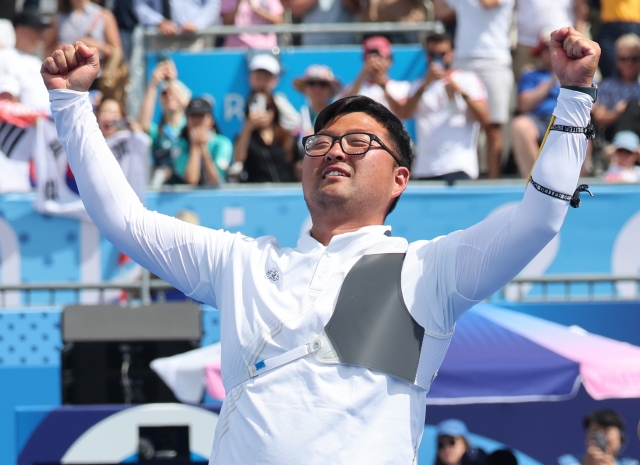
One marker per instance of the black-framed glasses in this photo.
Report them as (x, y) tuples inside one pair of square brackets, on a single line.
[(356, 143)]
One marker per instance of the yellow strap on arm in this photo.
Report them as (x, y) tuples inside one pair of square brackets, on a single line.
[(553, 118)]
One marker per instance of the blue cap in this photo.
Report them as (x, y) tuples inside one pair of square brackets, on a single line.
[(453, 428), (626, 140)]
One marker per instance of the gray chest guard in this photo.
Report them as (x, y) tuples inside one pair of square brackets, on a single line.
[(370, 326)]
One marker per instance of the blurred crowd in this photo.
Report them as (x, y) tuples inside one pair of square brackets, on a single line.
[(481, 109), (605, 439)]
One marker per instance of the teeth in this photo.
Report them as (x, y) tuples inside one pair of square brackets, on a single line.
[(334, 173)]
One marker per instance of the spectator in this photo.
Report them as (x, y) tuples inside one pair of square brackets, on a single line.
[(329, 12), (534, 16), (373, 80), (482, 45), (617, 18), (174, 98), (250, 13), (264, 151), (319, 86), (449, 106), (615, 93), (127, 141), (264, 71), (454, 447), (604, 436), (396, 11), (625, 146), (178, 16), (86, 21), (22, 62), (537, 95), (203, 155), (502, 457)]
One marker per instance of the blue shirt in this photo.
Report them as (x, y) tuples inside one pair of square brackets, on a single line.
[(530, 80), (612, 90), (570, 459)]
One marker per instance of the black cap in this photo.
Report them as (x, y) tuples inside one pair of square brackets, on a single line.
[(30, 18), (199, 106)]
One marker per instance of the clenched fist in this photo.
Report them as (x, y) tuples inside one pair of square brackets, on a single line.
[(71, 67), (574, 57)]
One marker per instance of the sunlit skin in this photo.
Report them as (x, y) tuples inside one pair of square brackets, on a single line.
[(611, 434), (340, 204), (451, 454), (169, 100), (108, 114)]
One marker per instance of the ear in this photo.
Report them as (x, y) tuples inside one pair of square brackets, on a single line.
[(401, 179)]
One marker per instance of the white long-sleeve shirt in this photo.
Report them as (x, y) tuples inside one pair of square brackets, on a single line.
[(273, 299)]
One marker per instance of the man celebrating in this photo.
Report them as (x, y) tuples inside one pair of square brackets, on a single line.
[(329, 348)]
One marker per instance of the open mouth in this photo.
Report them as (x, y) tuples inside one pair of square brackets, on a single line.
[(333, 172)]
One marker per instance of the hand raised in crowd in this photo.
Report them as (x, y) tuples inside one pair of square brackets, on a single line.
[(596, 456), (451, 87), (72, 67), (435, 72), (199, 135), (164, 71), (260, 120), (574, 57), (168, 28)]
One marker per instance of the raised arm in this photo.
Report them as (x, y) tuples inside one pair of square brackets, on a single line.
[(491, 253), (184, 255)]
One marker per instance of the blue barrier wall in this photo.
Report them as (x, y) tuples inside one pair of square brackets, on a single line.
[(599, 237)]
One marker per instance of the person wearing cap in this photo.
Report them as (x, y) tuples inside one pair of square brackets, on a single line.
[(202, 155), (373, 80), (174, 98), (319, 86), (264, 74), (264, 151), (537, 96), (454, 447), (21, 61), (329, 347), (626, 150), (449, 106)]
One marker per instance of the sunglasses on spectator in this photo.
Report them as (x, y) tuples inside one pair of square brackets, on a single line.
[(446, 441), (632, 59), (323, 84)]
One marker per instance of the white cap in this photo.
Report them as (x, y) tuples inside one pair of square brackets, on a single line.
[(265, 62), (10, 85), (7, 34)]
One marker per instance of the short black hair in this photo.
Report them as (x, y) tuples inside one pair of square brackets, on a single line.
[(400, 139), (438, 37), (604, 418)]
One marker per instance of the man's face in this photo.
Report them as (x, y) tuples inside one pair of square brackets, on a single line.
[(33, 37), (362, 185), (628, 62), (440, 51), (611, 434), (261, 80)]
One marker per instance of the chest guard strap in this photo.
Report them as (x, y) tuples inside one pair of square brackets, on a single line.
[(370, 326)]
